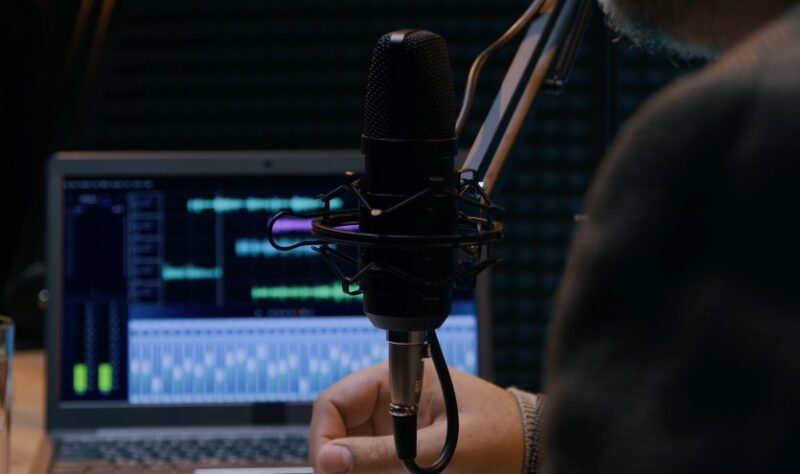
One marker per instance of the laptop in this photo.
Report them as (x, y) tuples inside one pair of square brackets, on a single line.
[(178, 339)]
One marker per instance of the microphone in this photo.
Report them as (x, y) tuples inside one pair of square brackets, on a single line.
[(409, 145), (421, 226)]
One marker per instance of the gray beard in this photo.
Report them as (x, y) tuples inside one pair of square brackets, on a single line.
[(672, 26)]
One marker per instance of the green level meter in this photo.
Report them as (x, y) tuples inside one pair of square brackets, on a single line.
[(104, 378), (80, 378)]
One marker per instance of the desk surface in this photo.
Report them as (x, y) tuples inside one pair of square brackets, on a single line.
[(28, 405)]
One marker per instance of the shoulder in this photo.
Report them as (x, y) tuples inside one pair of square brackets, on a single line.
[(714, 120), (724, 99), (709, 105)]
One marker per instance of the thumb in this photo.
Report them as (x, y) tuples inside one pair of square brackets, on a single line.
[(358, 455)]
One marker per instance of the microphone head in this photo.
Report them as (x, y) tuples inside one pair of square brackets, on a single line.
[(410, 93)]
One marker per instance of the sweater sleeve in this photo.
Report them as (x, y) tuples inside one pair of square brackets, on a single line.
[(531, 409)]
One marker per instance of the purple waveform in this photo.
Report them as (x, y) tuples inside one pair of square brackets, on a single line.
[(289, 225)]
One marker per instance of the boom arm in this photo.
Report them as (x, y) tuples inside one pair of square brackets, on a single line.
[(543, 62)]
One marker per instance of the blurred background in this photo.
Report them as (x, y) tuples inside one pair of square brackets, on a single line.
[(268, 74)]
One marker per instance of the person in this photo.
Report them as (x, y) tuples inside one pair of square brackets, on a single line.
[(674, 342)]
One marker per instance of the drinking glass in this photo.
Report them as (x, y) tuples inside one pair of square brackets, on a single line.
[(6, 354)]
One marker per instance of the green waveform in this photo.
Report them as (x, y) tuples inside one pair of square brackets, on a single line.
[(332, 291), (222, 204), (189, 272)]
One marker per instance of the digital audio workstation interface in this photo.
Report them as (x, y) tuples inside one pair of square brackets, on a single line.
[(172, 294)]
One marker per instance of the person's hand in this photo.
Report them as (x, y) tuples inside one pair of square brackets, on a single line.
[(351, 429)]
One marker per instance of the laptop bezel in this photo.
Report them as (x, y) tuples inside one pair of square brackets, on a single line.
[(88, 415)]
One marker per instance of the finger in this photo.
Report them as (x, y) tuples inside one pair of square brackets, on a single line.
[(376, 454), (358, 455), (356, 405), (476, 450)]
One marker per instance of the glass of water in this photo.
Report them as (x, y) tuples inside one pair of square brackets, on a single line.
[(6, 354)]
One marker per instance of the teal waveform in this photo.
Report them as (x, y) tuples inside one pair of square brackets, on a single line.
[(332, 291), (189, 272), (222, 204), (262, 248)]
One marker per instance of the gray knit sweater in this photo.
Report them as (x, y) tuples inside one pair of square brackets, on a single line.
[(531, 408)]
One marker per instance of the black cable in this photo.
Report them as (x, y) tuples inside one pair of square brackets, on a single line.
[(406, 427)]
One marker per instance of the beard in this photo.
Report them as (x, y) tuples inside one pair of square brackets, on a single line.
[(681, 27)]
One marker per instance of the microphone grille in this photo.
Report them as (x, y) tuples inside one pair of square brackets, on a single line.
[(410, 93)]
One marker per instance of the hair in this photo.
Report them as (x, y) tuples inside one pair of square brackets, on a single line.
[(682, 27)]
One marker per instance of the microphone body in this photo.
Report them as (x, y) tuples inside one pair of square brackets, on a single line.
[(393, 303), (409, 145)]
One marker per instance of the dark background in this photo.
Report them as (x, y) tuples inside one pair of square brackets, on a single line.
[(256, 74)]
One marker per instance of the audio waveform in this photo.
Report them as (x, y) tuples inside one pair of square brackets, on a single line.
[(222, 204), (332, 291), (189, 272), (262, 248), (289, 225)]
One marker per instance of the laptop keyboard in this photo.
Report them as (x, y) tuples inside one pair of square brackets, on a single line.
[(177, 456)]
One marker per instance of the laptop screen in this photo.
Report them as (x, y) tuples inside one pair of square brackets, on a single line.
[(171, 294)]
